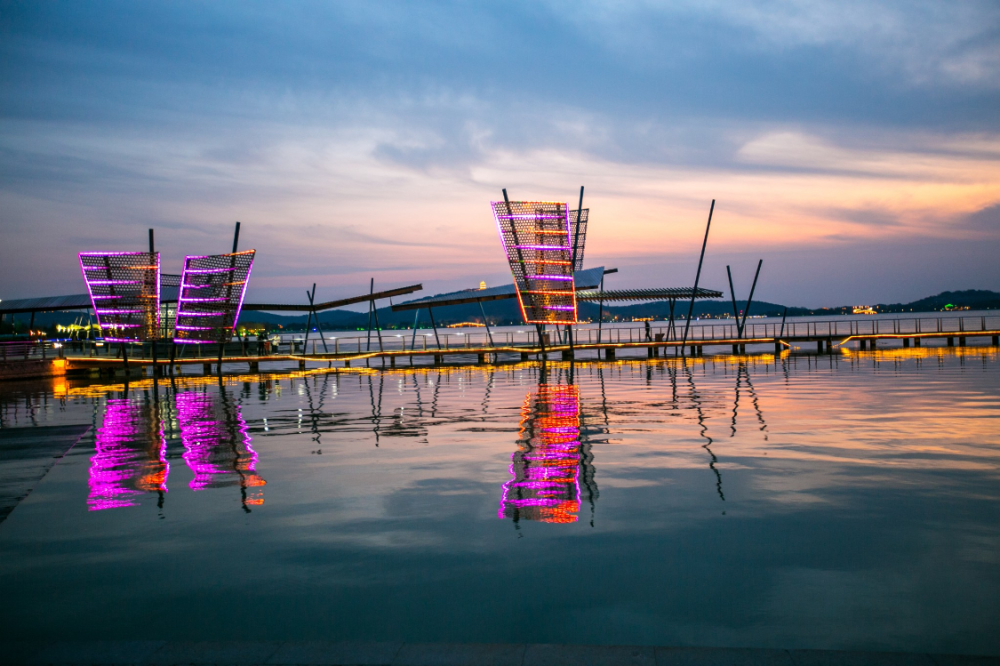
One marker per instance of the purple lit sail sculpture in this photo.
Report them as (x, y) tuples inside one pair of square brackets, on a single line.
[(124, 289), (211, 296), (536, 237)]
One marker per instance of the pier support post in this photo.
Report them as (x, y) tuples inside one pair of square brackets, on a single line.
[(567, 355), (254, 366), (951, 342), (347, 363), (609, 353), (996, 340), (649, 352), (916, 342), (819, 346), (701, 350), (481, 358), (438, 359), (777, 347), (906, 343), (524, 356), (961, 342), (743, 349), (302, 365), (736, 350), (392, 361), (872, 344), (207, 368)]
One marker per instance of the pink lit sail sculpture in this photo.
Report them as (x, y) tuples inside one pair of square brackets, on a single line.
[(124, 289), (130, 457), (546, 467), (211, 296), (537, 240)]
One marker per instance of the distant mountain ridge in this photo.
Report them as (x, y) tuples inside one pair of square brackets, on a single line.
[(507, 312)]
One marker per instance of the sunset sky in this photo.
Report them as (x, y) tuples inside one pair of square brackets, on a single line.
[(854, 146)]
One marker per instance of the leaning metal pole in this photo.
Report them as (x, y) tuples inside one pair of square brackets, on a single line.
[(309, 314), (232, 264), (576, 247), (368, 346), (746, 310), (156, 334), (736, 313), (486, 322), (600, 312), (697, 277), (430, 311), (319, 327)]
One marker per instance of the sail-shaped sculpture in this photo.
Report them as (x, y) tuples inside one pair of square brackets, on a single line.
[(124, 289), (211, 296), (536, 237)]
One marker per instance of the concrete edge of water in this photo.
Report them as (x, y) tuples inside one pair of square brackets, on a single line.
[(447, 654)]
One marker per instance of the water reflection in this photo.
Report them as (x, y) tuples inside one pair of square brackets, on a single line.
[(217, 446), (552, 467), (130, 456), (131, 448)]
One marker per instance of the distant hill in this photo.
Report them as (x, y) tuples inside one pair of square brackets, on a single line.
[(507, 312)]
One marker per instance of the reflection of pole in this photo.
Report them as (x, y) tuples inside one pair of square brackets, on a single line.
[(697, 277), (746, 310), (696, 399)]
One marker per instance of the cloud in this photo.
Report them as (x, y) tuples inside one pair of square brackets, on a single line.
[(358, 139)]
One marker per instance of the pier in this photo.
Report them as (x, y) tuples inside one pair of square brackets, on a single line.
[(591, 343)]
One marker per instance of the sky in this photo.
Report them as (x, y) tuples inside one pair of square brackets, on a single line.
[(853, 146)]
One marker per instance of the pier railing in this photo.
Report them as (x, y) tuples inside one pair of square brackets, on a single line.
[(584, 334)]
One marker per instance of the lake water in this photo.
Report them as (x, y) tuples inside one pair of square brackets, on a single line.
[(847, 502)]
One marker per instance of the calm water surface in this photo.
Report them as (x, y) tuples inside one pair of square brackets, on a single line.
[(844, 502)]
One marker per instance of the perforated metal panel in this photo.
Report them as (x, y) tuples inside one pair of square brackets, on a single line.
[(124, 289), (211, 295), (536, 238), (579, 229)]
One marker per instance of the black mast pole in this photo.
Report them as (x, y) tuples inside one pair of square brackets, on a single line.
[(232, 264), (746, 310), (156, 328), (736, 313), (697, 277)]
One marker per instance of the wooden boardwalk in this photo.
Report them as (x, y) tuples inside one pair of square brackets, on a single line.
[(591, 351)]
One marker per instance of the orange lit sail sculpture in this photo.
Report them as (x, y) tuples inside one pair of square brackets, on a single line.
[(211, 296), (536, 237), (124, 289)]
